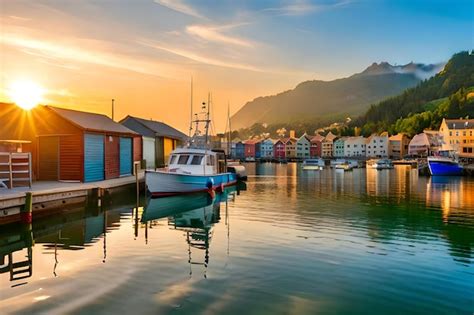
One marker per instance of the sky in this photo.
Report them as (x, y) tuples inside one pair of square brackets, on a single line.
[(143, 53)]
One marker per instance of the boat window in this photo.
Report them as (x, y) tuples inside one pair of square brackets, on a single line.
[(211, 160), (172, 159), (183, 159), (197, 159)]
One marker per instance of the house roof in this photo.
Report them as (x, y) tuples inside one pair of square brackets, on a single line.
[(317, 138), (330, 136), (90, 121), (460, 123), (159, 128), (398, 136), (252, 141)]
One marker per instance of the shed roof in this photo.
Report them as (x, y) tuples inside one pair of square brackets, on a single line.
[(160, 128), (91, 121), (460, 123)]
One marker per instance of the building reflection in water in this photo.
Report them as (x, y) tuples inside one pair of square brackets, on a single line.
[(72, 228)]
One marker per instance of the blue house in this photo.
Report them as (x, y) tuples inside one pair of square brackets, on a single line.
[(239, 150)]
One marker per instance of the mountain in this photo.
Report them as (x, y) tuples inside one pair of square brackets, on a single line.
[(418, 103), (327, 100)]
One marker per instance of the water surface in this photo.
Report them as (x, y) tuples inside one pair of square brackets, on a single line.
[(293, 242)]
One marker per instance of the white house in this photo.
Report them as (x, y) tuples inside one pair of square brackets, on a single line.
[(266, 148), (377, 146), (355, 147), (302, 147)]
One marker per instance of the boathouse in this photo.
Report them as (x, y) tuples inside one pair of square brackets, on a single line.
[(81, 146), (158, 139)]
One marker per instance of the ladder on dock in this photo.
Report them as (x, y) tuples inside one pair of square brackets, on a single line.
[(15, 169)]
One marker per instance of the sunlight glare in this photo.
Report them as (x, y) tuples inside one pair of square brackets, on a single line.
[(25, 93)]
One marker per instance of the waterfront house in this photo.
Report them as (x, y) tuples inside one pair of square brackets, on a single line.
[(239, 150), (315, 149), (290, 148), (458, 135), (355, 147), (398, 146), (258, 149), (72, 145), (377, 146), (158, 139), (303, 145), (249, 147), (279, 149), (338, 147), (266, 148), (327, 145), (423, 144)]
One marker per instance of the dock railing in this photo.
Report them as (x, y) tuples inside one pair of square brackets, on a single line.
[(15, 170)]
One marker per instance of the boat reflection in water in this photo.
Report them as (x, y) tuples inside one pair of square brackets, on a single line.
[(193, 214)]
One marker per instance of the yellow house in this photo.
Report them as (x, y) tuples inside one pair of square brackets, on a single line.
[(398, 146), (458, 135)]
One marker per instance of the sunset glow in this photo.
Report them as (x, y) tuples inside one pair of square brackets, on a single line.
[(25, 93)]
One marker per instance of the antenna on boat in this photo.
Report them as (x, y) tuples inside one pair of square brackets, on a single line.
[(191, 112)]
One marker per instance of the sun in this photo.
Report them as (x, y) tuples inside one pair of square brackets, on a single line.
[(26, 94)]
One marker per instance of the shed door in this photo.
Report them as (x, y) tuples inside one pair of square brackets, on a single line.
[(149, 152), (93, 157), (125, 156), (48, 161)]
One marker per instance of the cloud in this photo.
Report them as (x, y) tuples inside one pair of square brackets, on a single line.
[(57, 52), (179, 6), (213, 33), (305, 7), (199, 58)]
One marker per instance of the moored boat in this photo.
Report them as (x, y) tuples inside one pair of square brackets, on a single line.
[(380, 164), (344, 166), (195, 168), (313, 164), (444, 166)]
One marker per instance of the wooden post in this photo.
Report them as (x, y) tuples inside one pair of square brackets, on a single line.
[(26, 212), (10, 170)]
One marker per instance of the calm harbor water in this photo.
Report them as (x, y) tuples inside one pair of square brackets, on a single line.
[(293, 242)]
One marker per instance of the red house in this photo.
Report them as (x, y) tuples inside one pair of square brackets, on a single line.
[(250, 148), (279, 148), (315, 149)]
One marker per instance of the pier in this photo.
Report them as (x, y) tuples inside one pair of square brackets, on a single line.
[(48, 196)]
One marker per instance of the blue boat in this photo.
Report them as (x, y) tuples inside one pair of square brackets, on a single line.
[(444, 166)]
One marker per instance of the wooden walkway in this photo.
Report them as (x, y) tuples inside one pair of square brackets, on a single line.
[(11, 200)]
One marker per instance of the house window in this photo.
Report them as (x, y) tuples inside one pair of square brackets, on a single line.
[(457, 133), (464, 133), (450, 133)]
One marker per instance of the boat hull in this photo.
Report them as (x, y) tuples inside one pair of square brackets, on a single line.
[(162, 184), (438, 168)]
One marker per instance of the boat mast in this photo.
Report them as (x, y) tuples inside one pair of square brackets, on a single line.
[(191, 116), (230, 129), (207, 118)]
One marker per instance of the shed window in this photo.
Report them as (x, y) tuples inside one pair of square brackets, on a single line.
[(173, 159), (197, 159), (183, 159)]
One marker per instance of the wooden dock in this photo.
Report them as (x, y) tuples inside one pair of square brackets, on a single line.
[(48, 196)]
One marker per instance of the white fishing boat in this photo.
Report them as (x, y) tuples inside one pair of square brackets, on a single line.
[(313, 164), (344, 167), (194, 168), (380, 164)]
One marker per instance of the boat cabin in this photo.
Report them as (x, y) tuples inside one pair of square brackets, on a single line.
[(197, 161)]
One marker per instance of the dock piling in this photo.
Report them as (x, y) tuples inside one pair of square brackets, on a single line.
[(26, 212)]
